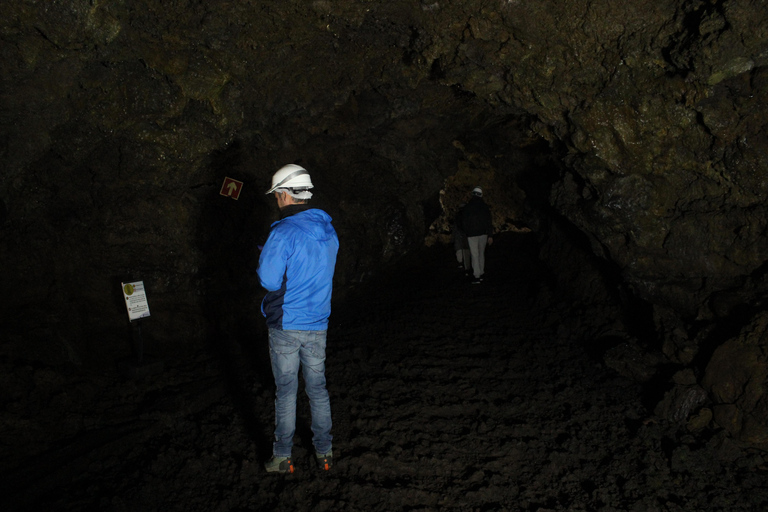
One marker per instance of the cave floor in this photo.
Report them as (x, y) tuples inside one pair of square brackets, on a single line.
[(445, 396)]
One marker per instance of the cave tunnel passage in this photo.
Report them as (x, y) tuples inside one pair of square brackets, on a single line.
[(445, 396)]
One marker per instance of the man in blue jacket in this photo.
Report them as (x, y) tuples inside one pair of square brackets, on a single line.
[(296, 268)]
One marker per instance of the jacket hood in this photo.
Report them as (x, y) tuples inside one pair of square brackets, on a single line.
[(314, 222)]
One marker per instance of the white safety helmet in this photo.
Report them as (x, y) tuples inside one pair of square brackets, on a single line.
[(291, 176), (477, 191)]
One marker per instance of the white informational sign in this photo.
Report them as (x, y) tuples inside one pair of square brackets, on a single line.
[(135, 300)]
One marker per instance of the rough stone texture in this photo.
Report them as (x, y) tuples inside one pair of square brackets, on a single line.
[(655, 165), (737, 377), (119, 121), (446, 397)]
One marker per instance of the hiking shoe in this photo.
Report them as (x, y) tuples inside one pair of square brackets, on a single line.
[(325, 460), (279, 465), (477, 280)]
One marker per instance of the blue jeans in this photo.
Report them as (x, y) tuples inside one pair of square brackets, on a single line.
[(288, 350)]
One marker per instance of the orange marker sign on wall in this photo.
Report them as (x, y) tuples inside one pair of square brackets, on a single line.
[(231, 188)]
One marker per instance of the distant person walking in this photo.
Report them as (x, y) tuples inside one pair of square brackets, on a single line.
[(478, 226), (296, 268), (460, 243)]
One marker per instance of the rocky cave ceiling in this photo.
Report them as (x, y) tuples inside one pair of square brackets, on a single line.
[(640, 124)]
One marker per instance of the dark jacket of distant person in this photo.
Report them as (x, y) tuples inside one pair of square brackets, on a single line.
[(476, 218)]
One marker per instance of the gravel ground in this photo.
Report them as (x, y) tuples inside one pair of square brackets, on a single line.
[(445, 395)]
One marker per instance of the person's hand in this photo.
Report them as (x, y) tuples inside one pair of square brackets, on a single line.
[(490, 241)]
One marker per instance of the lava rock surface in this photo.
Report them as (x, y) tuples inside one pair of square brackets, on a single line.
[(446, 396)]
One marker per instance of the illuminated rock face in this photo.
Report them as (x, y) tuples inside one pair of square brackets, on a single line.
[(641, 124)]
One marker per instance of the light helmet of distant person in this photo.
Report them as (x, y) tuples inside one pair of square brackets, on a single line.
[(477, 191)]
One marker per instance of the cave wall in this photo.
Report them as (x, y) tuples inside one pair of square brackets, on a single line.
[(120, 119), (668, 179)]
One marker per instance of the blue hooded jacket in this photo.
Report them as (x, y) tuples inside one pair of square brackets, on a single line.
[(296, 268)]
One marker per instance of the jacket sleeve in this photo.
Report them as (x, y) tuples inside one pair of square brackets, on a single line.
[(273, 260), (458, 221)]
